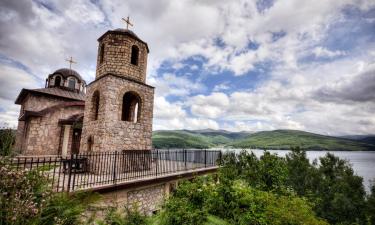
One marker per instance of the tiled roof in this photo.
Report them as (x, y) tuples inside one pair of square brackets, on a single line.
[(57, 92)]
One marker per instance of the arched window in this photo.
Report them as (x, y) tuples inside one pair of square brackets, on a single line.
[(90, 143), (135, 53), (57, 81), (131, 105), (72, 83), (95, 105), (101, 58)]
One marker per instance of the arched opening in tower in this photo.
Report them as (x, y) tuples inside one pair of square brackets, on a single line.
[(95, 105), (131, 104)]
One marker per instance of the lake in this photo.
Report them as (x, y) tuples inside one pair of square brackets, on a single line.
[(363, 163)]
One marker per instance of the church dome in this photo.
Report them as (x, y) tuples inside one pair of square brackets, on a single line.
[(65, 72), (124, 32)]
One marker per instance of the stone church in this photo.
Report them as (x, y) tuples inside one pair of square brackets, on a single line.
[(112, 113)]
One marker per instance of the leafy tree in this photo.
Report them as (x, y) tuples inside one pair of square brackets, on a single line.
[(301, 174), (370, 205), (341, 193), (270, 172)]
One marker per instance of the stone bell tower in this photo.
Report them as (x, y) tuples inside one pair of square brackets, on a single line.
[(119, 104)]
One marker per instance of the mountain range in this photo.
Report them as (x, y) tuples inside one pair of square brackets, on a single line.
[(276, 139)]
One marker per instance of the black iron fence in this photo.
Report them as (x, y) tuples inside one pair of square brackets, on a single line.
[(91, 170)]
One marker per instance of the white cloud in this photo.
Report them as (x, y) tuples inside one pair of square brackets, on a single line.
[(40, 36), (324, 52)]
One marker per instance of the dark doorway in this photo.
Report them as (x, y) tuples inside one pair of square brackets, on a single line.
[(76, 140)]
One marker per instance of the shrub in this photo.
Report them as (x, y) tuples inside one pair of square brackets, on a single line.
[(127, 216), (187, 205), (26, 198), (7, 139), (251, 206), (23, 194)]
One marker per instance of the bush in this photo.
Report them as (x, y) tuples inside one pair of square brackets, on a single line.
[(26, 198), (23, 194), (187, 205), (127, 216), (248, 205), (267, 173), (7, 140)]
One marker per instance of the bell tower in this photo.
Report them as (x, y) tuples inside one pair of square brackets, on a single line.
[(119, 104)]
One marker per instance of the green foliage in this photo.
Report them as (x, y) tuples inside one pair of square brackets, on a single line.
[(187, 205), (26, 199), (234, 202), (370, 206), (335, 192), (126, 216), (7, 140), (302, 175), (23, 194), (267, 173), (341, 193), (65, 209)]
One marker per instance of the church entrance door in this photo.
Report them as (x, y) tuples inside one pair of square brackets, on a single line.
[(76, 140)]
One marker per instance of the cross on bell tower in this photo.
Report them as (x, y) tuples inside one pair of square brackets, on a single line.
[(127, 21)]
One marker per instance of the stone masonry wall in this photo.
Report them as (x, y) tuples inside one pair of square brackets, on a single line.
[(147, 199), (109, 132), (41, 135), (117, 56)]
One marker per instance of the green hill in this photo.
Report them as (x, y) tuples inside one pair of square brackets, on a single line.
[(179, 139), (277, 139), (284, 139)]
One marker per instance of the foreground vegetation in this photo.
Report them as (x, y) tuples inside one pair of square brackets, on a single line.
[(278, 139), (246, 190)]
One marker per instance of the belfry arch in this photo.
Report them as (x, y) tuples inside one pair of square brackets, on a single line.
[(131, 107)]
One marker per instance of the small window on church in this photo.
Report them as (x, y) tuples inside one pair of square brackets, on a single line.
[(90, 143), (134, 56), (101, 58), (95, 105), (131, 104), (57, 81), (72, 83)]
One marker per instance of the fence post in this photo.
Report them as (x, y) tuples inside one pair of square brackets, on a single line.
[(156, 164), (185, 159), (205, 158), (114, 168), (70, 171)]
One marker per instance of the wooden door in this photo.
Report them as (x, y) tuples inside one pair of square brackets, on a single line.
[(76, 140)]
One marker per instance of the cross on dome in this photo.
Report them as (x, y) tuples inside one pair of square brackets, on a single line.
[(70, 62)]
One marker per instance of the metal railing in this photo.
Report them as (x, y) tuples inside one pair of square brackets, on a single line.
[(91, 170)]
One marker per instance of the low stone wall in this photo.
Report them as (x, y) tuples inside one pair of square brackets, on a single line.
[(147, 199)]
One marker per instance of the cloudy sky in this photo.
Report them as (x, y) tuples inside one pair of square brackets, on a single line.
[(235, 65)]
